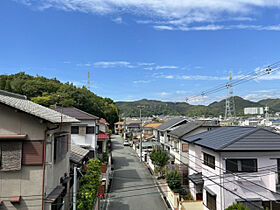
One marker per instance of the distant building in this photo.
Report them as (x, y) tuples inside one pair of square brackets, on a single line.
[(253, 110)]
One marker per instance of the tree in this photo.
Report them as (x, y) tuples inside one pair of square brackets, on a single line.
[(159, 158), (173, 180), (89, 184), (237, 206)]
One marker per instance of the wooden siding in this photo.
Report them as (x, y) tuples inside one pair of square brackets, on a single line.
[(32, 153)]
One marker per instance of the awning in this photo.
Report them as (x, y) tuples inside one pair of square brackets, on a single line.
[(13, 137), (77, 153), (103, 135), (196, 178), (209, 191), (248, 190), (15, 199), (55, 194)]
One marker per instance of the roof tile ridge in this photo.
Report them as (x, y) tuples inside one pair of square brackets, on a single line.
[(240, 137), (88, 114)]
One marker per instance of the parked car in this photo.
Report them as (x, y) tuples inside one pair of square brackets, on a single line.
[(125, 143)]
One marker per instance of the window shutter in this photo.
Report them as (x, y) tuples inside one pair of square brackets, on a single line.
[(32, 153), (82, 130), (185, 147)]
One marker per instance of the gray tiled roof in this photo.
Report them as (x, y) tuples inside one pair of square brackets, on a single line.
[(77, 153), (184, 129), (77, 113), (21, 103), (238, 139), (166, 125)]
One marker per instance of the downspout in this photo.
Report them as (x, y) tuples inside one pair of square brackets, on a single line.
[(44, 163)]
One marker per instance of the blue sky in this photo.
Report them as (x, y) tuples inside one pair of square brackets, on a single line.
[(160, 49)]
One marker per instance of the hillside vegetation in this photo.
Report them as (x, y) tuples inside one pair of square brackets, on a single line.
[(49, 92), (215, 109)]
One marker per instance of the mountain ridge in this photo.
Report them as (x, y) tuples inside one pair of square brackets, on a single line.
[(216, 108)]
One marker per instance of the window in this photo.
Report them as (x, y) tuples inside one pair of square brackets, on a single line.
[(209, 160), (211, 201), (60, 148), (97, 130), (75, 130), (90, 130), (241, 165), (185, 147)]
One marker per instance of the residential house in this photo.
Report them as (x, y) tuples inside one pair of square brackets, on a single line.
[(235, 164), (103, 136), (34, 155), (118, 127), (84, 133), (134, 129), (165, 128), (179, 149), (150, 130)]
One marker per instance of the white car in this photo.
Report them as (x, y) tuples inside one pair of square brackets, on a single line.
[(125, 143)]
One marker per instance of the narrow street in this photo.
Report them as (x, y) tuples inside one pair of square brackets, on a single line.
[(132, 186)]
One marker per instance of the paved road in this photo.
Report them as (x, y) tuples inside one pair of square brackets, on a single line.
[(132, 186)]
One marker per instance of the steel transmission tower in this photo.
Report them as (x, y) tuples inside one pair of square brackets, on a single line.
[(230, 113), (88, 81)]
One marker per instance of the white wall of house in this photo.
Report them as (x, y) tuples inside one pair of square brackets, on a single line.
[(89, 140), (225, 198)]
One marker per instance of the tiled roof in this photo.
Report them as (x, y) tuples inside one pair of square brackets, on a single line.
[(234, 138), (21, 103), (166, 125), (77, 153), (152, 125), (102, 120), (77, 113), (184, 129)]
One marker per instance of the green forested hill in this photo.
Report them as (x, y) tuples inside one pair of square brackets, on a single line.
[(153, 107), (49, 92)]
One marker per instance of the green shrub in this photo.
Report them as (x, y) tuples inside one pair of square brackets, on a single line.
[(237, 206), (173, 180)]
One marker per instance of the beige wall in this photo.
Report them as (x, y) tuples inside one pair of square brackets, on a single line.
[(16, 122), (28, 181)]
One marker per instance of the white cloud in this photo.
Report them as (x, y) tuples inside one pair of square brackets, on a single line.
[(169, 14), (164, 94), (145, 64), (118, 20), (257, 97), (169, 77), (141, 81), (112, 64)]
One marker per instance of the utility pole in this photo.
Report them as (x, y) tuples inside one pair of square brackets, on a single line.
[(75, 189), (140, 107)]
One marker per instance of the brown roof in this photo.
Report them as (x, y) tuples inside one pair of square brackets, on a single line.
[(152, 125), (119, 123)]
